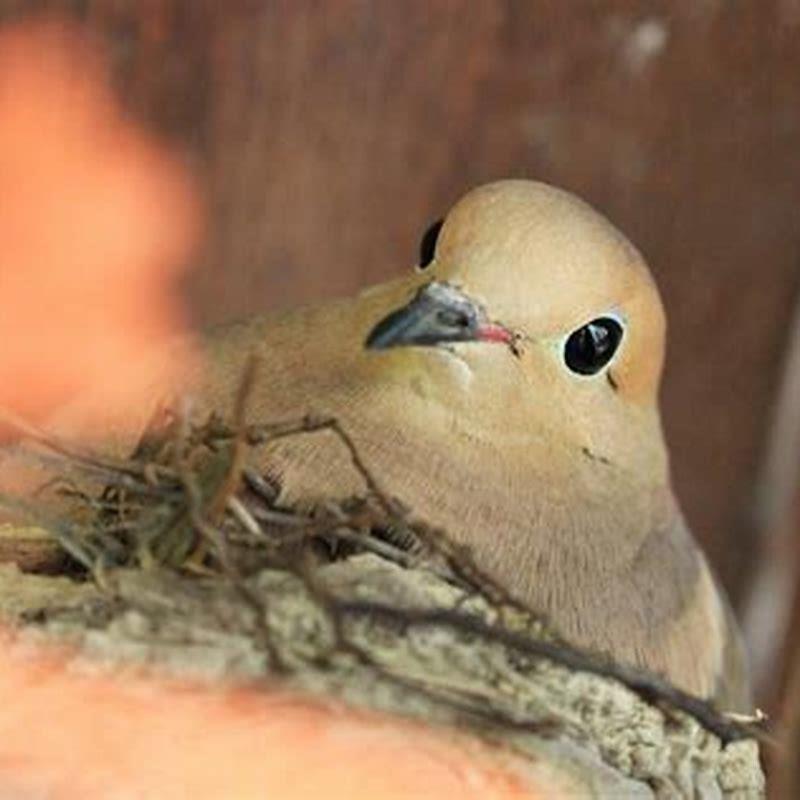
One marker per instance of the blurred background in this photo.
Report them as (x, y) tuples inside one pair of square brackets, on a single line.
[(327, 135)]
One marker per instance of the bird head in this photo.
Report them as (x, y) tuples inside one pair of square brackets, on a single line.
[(553, 312)]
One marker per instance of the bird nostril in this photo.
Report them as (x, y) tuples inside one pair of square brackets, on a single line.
[(452, 319)]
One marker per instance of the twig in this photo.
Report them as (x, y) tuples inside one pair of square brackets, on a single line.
[(60, 531), (67, 450), (649, 687), (217, 540), (238, 455), (244, 517), (459, 557)]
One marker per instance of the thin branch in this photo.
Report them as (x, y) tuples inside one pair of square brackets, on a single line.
[(649, 687)]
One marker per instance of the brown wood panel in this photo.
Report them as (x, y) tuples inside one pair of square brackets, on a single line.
[(328, 133)]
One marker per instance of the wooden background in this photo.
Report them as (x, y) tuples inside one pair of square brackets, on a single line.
[(328, 134)]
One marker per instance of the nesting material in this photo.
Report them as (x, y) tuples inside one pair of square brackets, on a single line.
[(180, 560)]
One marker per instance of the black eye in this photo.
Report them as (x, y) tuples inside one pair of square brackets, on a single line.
[(427, 245), (591, 347)]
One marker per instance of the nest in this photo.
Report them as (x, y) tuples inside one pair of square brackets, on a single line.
[(181, 558)]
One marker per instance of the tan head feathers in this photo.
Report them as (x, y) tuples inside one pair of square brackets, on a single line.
[(544, 263)]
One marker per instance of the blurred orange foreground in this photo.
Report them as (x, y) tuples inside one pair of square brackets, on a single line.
[(96, 226), (92, 739)]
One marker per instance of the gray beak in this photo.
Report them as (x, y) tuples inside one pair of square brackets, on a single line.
[(438, 314)]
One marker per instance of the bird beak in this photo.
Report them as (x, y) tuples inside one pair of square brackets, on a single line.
[(438, 314)]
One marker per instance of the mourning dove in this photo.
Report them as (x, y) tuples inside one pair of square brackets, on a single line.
[(506, 391)]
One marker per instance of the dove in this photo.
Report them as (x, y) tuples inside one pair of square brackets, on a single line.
[(506, 391)]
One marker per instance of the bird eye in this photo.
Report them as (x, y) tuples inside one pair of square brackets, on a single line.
[(427, 245), (590, 348)]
